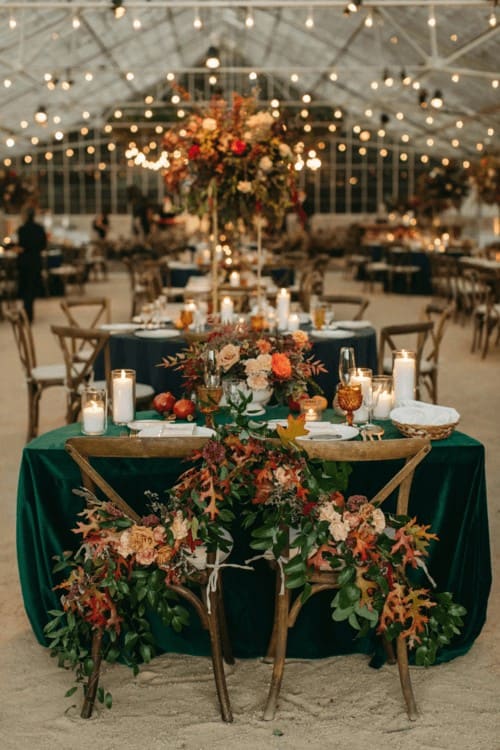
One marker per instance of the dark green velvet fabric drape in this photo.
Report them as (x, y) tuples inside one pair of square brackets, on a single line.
[(448, 492)]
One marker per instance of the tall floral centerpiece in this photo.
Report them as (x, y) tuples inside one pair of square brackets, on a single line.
[(232, 162)]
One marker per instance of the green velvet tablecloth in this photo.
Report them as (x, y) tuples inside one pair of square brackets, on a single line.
[(448, 492)]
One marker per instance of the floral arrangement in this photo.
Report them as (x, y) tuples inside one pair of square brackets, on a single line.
[(486, 175), (263, 360), (297, 509), (123, 567), (234, 159), (439, 189), (15, 191)]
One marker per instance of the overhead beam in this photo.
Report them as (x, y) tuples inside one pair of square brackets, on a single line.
[(265, 4)]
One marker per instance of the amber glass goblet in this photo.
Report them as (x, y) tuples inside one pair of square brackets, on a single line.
[(350, 398), (208, 402)]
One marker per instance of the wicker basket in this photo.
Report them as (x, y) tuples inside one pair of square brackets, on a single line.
[(434, 432)]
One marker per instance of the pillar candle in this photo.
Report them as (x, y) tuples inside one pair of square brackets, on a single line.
[(283, 309), (362, 378), (403, 374), (93, 418), (226, 310), (383, 406), (293, 322), (123, 398), (234, 279)]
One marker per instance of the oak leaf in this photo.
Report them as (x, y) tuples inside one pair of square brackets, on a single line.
[(295, 428)]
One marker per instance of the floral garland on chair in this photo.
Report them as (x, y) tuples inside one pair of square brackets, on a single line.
[(119, 572)]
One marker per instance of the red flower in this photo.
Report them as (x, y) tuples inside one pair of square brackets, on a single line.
[(238, 147), (194, 151)]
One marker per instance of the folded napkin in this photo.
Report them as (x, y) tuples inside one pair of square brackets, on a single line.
[(420, 413), (168, 430)]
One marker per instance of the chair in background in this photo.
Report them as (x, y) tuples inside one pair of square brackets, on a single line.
[(485, 309), (400, 266), (356, 304), (440, 316), (86, 312), (38, 377), (146, 283), (79, 371), (210, 605), (310, 284), (80, 368), (72, 271), (414, 337), (412, 451)]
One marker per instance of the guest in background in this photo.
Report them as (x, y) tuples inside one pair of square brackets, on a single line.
[(32, 239), (100, 225)]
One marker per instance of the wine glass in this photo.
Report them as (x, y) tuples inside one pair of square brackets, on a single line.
[(347, 364), (211, 369), (208, 402), (370, 400), (350, 398)]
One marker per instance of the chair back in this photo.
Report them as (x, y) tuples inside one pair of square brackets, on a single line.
[(24, 338), (86, 312), (390, 340), (411, 450), (350, 301), (83, 449), (440, 316), (311, 283), (80, 370)]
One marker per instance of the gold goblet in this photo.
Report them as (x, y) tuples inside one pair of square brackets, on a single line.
[(208, 402), (350, 398)]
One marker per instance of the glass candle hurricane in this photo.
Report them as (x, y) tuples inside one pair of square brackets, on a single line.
[(94, 411), (123, 396)]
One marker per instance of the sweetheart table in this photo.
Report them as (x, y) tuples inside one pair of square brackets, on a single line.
[(449, 492)]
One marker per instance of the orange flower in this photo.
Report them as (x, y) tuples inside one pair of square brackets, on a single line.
[(263, 345), (281, 366)]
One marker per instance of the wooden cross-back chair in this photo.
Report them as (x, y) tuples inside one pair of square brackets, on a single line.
[(412, 451), (410, 336), (209, 605), (38, 377), (80, 370), (440, 315), (86, 312), (357, 304)]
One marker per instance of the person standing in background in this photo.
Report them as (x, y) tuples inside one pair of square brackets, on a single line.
[(100, 225), (32, 239)]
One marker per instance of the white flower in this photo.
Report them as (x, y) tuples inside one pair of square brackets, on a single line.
[(257, 381), (180, 527), (265, 164), (124, 548), (261, 123), (328, 513), (244, 186), (339, 530), (264, 362), (378, 520), (208, 123), (285, 150)]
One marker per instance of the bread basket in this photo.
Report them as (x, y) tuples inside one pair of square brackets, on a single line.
[(416, 419)]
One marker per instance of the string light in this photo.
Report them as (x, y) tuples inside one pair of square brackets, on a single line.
[(249, 19), (432, 18), (197, 22), (76, 22), (369, 20), (137, 24), (309, 22), (12, 22), (492, 20)]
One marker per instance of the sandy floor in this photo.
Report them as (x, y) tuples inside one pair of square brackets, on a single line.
[(333, 702)]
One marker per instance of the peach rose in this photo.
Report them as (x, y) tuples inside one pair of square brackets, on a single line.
[(141, 538), (265, 362), (252, 367), (159, 534), (257, 381), (228, 356), (164, 554), (180, 527), (301, 338), (281, 366), (146, 556), (124, 549)]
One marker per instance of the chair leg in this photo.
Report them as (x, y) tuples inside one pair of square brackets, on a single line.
[(227, 649), (404, 676), (271, 647), (34, 395), (217, 661), (281, 613), (93, 681)]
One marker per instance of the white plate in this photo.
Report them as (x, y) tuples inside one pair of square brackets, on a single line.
[(331, 432), (142, 424), (340, 333), (163, 319), (354, 324), (158, 333), (118, 327), (250, 412)]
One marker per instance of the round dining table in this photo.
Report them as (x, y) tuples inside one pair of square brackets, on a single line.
[(143, 351)]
